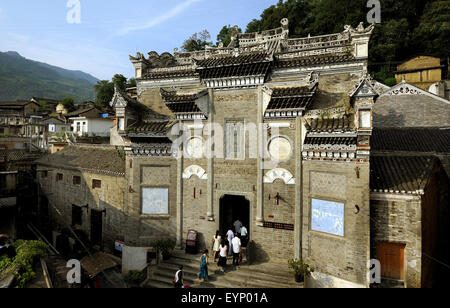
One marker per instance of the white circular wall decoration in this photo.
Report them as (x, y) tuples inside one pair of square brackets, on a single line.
[(280, 148), (194, 148)]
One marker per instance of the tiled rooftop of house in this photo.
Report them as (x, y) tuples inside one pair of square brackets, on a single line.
[(89, 158)]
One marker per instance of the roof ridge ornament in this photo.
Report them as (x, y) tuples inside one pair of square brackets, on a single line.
[(313, 78), (366, 78)]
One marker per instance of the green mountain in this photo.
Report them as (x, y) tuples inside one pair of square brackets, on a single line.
[(21, 78)]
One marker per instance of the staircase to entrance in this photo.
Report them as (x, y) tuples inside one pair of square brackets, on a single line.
[(245, 276)]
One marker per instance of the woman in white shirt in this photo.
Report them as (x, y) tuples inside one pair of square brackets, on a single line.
[(223, 255), (216, 244)]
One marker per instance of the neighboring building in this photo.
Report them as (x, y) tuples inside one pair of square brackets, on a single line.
[(61, 110), (410, 170), (47, 105), (426, 73), (56, 125), (406, 105), (15, 118), (90, 122), (410, 204), (85, 185), (421, 71)]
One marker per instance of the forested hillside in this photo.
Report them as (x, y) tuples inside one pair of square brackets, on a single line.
[(21, 78)]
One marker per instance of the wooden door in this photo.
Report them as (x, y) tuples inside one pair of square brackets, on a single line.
[(392, 260)]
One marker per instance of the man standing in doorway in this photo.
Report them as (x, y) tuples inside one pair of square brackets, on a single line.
[(244, 236), (237, 226), (230, 236), (236, 249)]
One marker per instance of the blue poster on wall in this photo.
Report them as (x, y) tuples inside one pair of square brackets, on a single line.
[(327, 217), (155, 201)]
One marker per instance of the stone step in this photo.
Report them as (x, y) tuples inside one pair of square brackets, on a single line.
[(274, 273), (221, 279), (245, 276), (164, 281), (260, 280)]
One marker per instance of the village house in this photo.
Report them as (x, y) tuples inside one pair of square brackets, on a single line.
[(85, 185), (90, 121), (15, 117), (426, 73), (410, 166)]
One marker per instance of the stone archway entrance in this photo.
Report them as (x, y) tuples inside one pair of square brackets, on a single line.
[(232, 208)]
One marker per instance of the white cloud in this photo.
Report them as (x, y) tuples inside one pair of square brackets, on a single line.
[(160, 19)]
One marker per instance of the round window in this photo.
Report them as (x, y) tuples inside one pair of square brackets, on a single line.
[(280, 148), (194, 147)]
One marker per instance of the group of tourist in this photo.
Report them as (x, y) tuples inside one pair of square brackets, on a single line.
[(223, 246)]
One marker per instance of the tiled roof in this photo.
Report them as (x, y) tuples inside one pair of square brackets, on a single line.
[(186, 107), (348, 141), (254, 64), (344, 123), (401, 174), (313, 60), (92, 158), (154, 128), (17, 155), (85, 112), (15, 104), (181, 103), (425, 140), (174, 97), (143, 141), (170, 73), (47, 100), (291, 98), (249, 58)]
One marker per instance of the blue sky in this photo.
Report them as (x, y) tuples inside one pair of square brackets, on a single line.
[(111, 30)]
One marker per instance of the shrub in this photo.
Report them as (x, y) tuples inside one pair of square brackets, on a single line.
[(300, 269), (28, 252), (135, 278)]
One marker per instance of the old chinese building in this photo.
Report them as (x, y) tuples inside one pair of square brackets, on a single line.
[(280, 133), (271, 130)]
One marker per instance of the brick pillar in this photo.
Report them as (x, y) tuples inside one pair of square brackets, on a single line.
[(180, 169), (210, 171), (260, 176), (298, 188)]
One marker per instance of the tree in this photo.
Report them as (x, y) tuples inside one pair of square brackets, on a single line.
[(68, 103), (197, 41), (297, 11), (225, 35), (408, 27), (432, 34), (120, 80), (131, 83), (254, 26), (104, 89)]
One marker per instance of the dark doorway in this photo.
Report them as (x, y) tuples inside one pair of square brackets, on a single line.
[(231, 209), (77, 216), (96, 227)]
